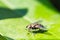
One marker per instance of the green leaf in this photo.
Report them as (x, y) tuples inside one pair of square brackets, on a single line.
[(2, 37), (15, 15)]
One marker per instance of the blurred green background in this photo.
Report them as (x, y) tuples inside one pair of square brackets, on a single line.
[(15, 15)]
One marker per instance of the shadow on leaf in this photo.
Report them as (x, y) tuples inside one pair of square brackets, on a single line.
[(5, 38), (8, 38), (6, 13), (56, 4), (50, 4)]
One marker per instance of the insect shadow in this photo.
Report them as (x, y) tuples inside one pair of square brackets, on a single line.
[(6, 13), (42, 32), (51, 4), (5, 38)]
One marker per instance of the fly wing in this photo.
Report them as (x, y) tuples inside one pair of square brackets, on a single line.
[(39, 21), (42, 27)]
